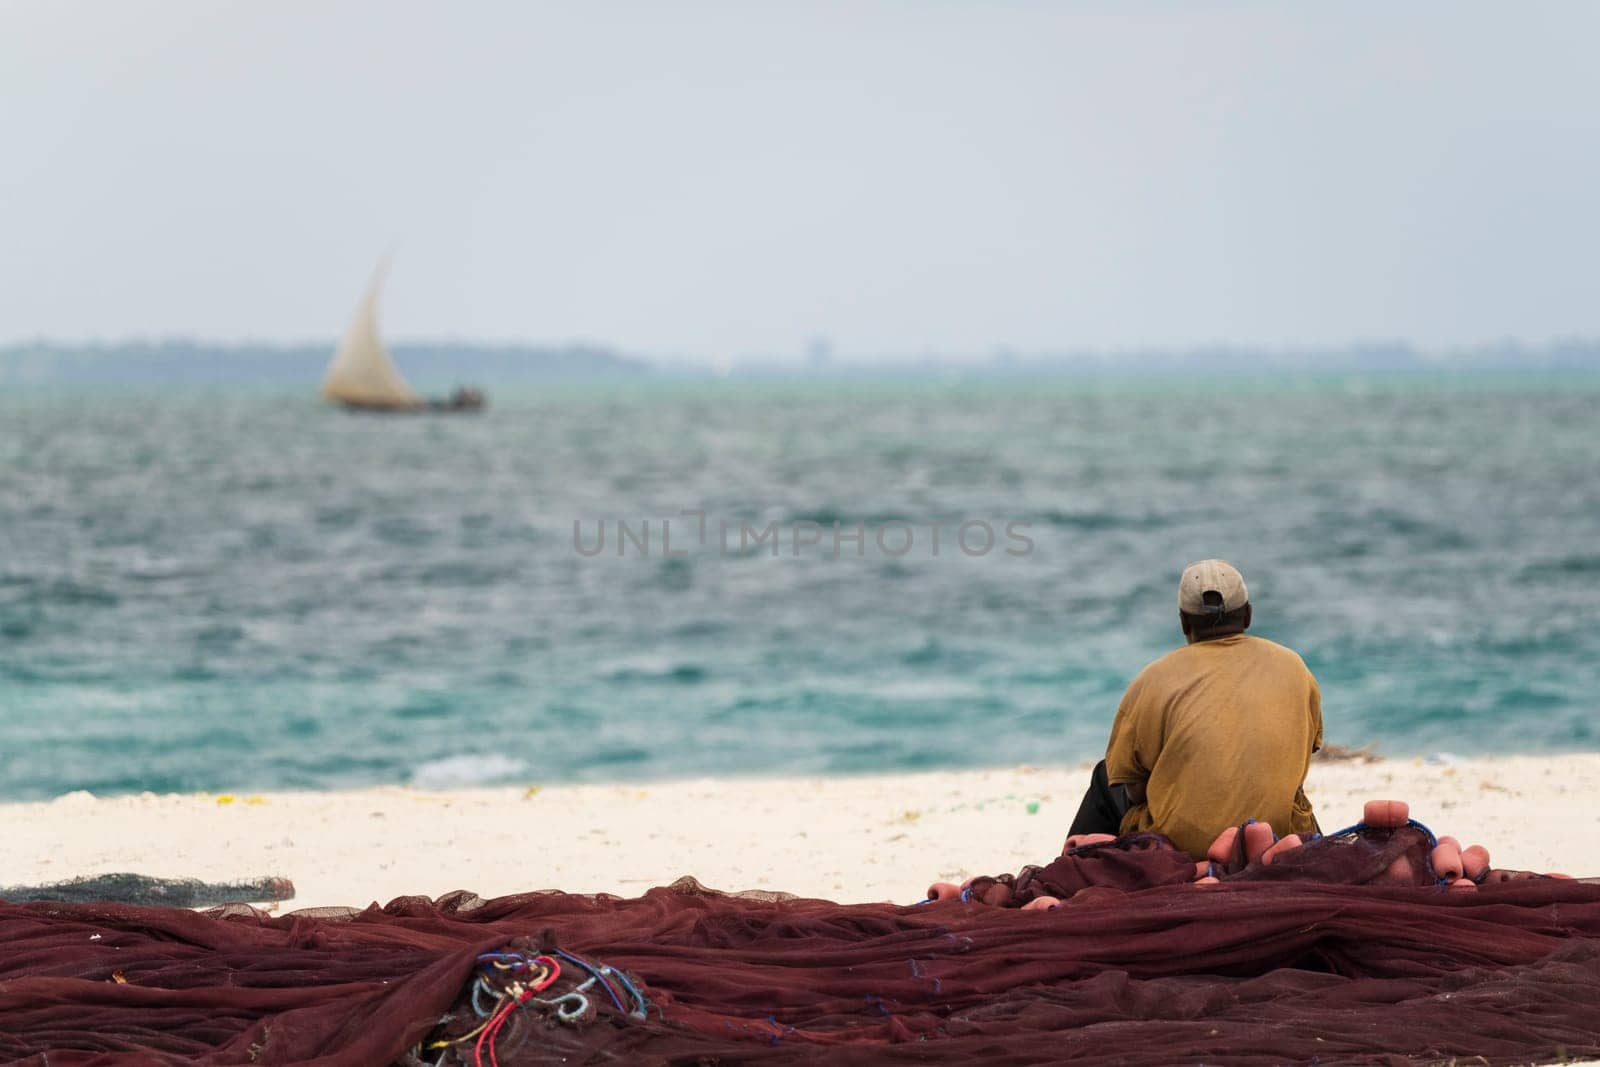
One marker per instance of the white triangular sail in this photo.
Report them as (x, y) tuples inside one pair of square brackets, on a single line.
[(362, 372)]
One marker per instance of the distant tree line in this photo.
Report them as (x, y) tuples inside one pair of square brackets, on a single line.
[(437, 364), (186, 362)]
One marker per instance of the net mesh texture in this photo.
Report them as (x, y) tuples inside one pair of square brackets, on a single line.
[(1341, 951)]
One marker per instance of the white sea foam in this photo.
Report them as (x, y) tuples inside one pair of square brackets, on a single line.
[(453, 772)]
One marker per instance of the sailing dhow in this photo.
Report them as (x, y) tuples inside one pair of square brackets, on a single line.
[(363, 377)]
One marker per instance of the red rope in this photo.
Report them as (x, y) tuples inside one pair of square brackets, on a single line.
[(491, 1033)]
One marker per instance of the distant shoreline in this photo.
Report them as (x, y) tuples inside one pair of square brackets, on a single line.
[(186, 361)]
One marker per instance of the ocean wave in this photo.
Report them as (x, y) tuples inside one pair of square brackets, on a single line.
[(396, 594), (455, 772)]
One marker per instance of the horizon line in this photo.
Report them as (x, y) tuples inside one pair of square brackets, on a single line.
[(995, 354)]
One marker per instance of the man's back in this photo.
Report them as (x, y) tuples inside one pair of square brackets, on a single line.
[(1220, 731)]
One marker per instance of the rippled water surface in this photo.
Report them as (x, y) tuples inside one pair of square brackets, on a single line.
[(215, 590)]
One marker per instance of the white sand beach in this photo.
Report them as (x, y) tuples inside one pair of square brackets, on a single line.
[(869, 838)]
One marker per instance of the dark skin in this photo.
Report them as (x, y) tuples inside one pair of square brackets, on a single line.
[(1195, 627), (1198, 628)]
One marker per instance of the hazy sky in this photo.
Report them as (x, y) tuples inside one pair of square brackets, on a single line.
[(723, 180)]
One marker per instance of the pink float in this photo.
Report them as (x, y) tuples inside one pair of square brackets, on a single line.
[(1386, 813), (1283, 845), (1446, 859), (1080, 840), (1475, 861), (1258, 837), (1401, 871), (1221, 850)]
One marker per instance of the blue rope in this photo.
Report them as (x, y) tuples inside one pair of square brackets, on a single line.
[(570, 1007), (518, 957), (644, 1006), (594, 976), (478, 987), (605, 971)]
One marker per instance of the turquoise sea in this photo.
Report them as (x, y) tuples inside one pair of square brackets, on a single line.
[(240, 590)]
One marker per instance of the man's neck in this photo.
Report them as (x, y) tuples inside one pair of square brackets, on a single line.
[(1216, 635)]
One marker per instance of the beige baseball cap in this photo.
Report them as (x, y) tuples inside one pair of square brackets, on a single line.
[(1211, 576)]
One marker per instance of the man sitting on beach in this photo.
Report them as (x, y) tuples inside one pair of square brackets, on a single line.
[(1211, 734)]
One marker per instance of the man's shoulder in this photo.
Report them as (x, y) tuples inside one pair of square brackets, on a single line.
[(1260, 646), (1183, 658), (1170, 664)]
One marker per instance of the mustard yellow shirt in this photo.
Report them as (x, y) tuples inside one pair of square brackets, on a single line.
[(1220, 731)]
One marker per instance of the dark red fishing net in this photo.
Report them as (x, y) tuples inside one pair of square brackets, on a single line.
[(1322, 959)]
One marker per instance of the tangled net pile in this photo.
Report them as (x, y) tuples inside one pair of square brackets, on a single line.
[(1341, 949)]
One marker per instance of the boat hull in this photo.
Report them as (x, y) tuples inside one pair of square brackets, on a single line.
[(462, 401), (429, 407)]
